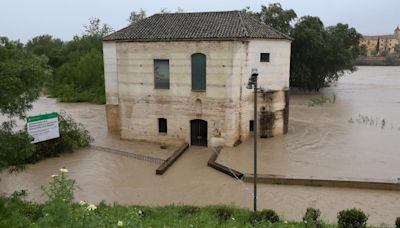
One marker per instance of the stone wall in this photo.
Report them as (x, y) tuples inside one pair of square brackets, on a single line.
[(134, 105)]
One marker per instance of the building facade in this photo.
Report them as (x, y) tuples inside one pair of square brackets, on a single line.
[(376, 45), (174, 78)]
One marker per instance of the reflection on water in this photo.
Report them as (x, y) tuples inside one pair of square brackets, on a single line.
[(321, 142)]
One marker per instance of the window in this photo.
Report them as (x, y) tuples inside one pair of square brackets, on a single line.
[(251, 125), (264, 57), (162, 125), (198, 71), (161, 74)]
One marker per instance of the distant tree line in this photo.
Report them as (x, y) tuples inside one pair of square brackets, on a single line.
[(76, 65)]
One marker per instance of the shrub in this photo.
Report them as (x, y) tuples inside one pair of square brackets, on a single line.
[(398, 222), (61, 188), (264, 216), (15, 147), (311, 218), (73, 136), (352, 218)]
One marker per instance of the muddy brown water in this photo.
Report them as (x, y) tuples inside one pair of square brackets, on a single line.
[(356, 134), (335, 139)]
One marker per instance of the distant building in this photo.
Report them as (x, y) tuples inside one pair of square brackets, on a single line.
[(182, 77), (376, 45)]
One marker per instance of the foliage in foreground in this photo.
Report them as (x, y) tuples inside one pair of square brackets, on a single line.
[(60, 210), (352, 218)]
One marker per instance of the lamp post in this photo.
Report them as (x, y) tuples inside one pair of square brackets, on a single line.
[(252, 84)]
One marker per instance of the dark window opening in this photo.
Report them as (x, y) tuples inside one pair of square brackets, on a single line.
[(162, 125), (199, 72), (251, 125), (264, 57), (161, 73)]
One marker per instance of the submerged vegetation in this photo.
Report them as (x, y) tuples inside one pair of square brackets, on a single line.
[(322, 99), (377, 122)]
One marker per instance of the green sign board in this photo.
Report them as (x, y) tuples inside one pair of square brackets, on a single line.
[(43, 127), (42, 117)]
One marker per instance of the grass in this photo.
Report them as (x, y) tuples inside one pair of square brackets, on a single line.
[(15, 212)]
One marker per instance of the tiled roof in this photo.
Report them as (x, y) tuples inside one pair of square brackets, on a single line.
[(227, 25)]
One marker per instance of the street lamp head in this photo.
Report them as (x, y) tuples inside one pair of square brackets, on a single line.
[(253, 79), (254, 72)]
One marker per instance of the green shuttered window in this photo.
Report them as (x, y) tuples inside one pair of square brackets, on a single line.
[(198, 72), (161, 73)]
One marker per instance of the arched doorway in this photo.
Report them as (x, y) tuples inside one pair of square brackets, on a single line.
[(198, 132)]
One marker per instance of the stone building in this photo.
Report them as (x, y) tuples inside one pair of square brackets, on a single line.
[(376, 45), (181, 77)]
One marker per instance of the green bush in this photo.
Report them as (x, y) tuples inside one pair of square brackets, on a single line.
[(73, 136), (352, 218), (311, 218), (15, 147), (398, 222), (264, 216)]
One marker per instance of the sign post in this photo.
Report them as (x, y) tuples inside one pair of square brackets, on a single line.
[(43, 127)]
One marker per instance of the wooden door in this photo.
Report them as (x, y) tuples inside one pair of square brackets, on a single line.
[(198, 130)]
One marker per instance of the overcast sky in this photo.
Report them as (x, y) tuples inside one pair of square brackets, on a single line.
[(24, 19)]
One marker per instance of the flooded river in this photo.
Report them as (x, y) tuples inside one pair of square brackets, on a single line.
[(342, 138), (355, 134)]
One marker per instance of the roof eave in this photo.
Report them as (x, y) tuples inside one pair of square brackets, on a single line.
[(196, 39)]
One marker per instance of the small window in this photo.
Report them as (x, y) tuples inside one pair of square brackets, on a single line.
[(264, 57), (251, 125), (161, 73), (162, 125)]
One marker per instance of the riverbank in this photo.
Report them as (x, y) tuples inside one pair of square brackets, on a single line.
[(377, 61)]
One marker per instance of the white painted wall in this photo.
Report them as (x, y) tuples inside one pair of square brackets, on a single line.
[(273, 75), (110, 72)]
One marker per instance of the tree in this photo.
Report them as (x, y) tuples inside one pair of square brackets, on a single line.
[(319, 55), (22, 75), (164, 11), (397, 50), (363, 50), (276, 17), (48, 46), (81, 78), (95, 29), (137, 16), (377, 47)]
